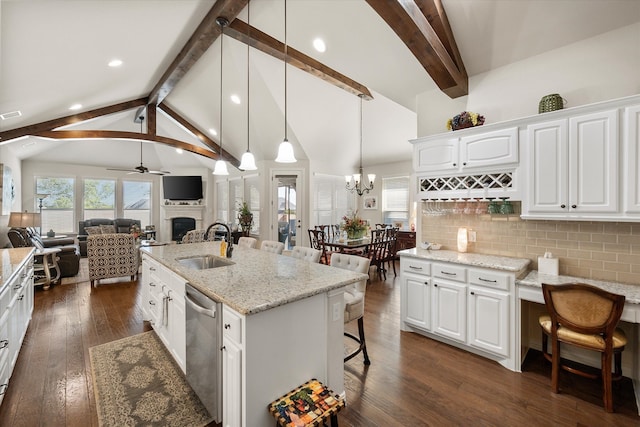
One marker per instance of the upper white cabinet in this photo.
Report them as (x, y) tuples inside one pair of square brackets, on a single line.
[(475, 152), (632, 160), (573, 167)]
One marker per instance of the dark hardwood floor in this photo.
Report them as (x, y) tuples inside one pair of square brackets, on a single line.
[(412, 380)]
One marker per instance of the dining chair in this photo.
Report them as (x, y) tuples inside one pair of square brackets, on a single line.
[(317, 241), (587, 317), (378, 250), (336, 231), (247, 242), (325, 228), (306, 254), (391, 235), (354, 300), (383, 226), (193, 236), (272, 246)]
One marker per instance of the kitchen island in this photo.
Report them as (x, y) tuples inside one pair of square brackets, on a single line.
[(283, 321)]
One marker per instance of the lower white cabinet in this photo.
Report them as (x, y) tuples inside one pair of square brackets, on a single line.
[(232, 368), (464, 306), (16, 308), (164, 307)]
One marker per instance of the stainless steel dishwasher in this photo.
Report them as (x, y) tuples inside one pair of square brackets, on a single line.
[(204, 361)]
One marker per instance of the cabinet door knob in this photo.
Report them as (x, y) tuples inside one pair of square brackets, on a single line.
[(464, 164), (4, 344), (227, 326), (435, 285), (573, 206), (563, 206), (151, 302), (223, 348), (455, 164), (472, 293)]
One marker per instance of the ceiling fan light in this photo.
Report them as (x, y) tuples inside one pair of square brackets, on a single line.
[(248, 162), (285, 153), (220, 168)]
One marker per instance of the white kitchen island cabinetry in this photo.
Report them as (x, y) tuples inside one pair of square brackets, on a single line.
[(573, 166), (164, 306), (465, 300), (282, 323)]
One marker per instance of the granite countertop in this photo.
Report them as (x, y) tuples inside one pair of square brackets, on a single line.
[(258, 280), (535, 279), (516, 265), (12, 260)]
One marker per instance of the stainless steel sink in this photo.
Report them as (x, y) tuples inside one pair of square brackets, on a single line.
[(203, 262)]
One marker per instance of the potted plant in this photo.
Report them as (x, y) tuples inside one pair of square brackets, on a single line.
[(245, 217)]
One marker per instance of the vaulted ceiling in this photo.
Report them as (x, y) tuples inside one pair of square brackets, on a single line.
[(54, 54)]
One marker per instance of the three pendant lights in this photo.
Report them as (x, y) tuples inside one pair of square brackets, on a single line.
[(285, 150)]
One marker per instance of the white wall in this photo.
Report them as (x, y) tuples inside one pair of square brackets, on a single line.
[(8, 158), (592, 70)]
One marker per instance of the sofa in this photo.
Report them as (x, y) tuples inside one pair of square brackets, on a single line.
[(121, 225), (68, 257)]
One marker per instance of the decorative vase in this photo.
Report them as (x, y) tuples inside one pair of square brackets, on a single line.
[(355, 234), (245, 221), (51, 233)]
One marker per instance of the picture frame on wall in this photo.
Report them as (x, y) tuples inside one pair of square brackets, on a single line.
[(370, 202)]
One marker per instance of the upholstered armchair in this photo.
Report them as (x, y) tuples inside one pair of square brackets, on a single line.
[(111, 255)]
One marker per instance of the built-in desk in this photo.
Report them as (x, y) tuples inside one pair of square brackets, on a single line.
[(529, 289)]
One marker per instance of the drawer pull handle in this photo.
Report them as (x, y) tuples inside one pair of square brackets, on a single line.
[(487, 280), (152, 269), (4, 344), (227, 326), (152, 284), (448, 274), (152, 302), (413, 267)]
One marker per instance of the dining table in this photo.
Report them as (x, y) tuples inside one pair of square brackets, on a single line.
[(343, 245)]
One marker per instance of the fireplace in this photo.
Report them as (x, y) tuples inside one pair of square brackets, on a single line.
[(180, 226)]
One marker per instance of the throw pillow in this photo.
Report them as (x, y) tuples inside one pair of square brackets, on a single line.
[(106, 229), (93, 230)]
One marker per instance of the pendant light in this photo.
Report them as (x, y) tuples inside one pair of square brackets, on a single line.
[(221, 166), (358, 186), (248, 162), (285, 150)]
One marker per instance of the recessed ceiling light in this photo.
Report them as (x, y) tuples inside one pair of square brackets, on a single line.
[(179, 150), (235, 99), (75, 107), (213, 132), (319, 45), (115, 63)]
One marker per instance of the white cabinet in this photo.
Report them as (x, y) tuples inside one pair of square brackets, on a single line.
[(232, 368), (469, 307), (632, 160), (16, 308), (475, 152), (573, 167), (164, 307)]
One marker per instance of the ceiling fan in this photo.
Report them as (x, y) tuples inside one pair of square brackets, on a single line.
[(141, 168)]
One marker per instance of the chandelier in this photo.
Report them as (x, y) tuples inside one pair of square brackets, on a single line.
[(354, 182)]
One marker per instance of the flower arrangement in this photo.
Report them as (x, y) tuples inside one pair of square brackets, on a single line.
[(466, 119), (353, 225)]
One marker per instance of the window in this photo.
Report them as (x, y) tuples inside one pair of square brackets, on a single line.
[(222, 201), (57, 206), (99, 198), (252, 197), (236, 190), (395, 200), (330, 200), (136, 201)]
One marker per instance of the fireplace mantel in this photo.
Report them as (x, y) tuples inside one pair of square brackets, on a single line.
[(172, 211)]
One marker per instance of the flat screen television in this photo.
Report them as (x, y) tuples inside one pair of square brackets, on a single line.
[(182, 187)]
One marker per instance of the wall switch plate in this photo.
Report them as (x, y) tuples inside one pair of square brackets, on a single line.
[(472, 236)]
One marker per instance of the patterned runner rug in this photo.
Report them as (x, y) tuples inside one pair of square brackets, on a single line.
[(138, 383)]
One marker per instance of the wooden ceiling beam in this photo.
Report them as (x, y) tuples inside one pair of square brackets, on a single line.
[(202, 38), (198, 134), (69, 120), (243, 32), (110, 134), (423, 26)]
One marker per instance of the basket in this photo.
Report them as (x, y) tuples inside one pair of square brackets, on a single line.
[(551, 102)]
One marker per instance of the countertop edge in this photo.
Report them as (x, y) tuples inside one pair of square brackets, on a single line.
[(496, 262)]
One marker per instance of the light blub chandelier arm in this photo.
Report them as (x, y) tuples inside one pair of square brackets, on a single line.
[(354, 183)]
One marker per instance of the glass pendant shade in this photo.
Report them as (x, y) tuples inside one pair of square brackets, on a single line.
[(285, 153), (248, 162), (220, 168)]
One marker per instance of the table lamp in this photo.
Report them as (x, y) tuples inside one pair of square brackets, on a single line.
[(27, 220)]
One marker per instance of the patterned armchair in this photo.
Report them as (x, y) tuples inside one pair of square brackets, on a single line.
[(111, 255)]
